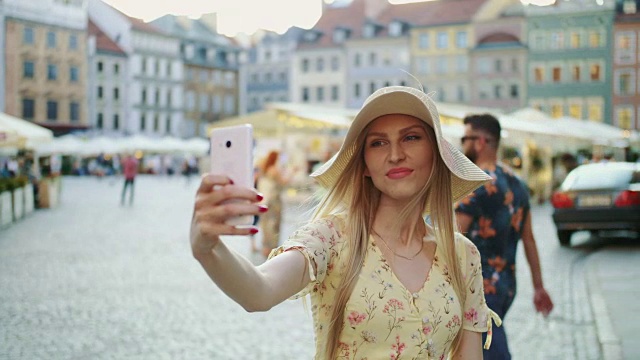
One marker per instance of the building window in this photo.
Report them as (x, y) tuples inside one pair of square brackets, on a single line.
[(28, 71), (73, 42), (144, 96), (335, 63), (372, 87), (27, 36), (514, 91), (538, 75), (625, 84), (335, 94), (624, 117), (305, 94), (594, 71), (320, 65), (100, 66), (156, 123), (556, 111), (497, 91), (116, 69), (498, 66), (442, 65), (116, 122), (356, 90), (100, 92), (594, 39), (423, 41), (575, 73), (357, 60), (143, 65), (461, 39), (169, 69), (157, 97), (461, 93), (305, 65), (167, 124), (116, 93), (372, 59), (575, 111), (575, 40), (74, 111), (423, 65), (557, 74), (28, 109), (73, 74), (595, 112), (230, 104), (52, 72), (515, 65), (557, 40), (143, 123), (484, 65), (169, 98), (462, 63), (442, 41), (51, 39), (100, 121), (538, 42), (320, 93), (52, 110)]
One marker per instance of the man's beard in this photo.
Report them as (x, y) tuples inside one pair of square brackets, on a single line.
[(471, 155)]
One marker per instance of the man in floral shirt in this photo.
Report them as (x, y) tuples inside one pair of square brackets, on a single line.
[(494, 218)]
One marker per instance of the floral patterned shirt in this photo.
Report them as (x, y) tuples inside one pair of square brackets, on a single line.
[(499, 209), (383, 320)]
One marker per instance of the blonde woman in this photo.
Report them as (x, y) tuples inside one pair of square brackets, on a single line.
[(382, 282)]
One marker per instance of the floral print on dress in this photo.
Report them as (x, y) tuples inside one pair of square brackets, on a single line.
[(382, 318)]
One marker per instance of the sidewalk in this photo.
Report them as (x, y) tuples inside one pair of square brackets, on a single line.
[(612, 277)]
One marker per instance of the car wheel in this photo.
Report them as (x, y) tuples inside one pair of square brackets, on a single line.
[(564, 236)]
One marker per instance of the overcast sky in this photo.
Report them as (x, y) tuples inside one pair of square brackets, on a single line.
[(236, 16)]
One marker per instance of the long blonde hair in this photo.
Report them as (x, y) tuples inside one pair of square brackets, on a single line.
[(361, 203)]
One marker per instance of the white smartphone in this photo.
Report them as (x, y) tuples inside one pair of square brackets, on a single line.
[(232, 155)]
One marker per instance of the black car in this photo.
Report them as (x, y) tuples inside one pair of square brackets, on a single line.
[(596, 197)]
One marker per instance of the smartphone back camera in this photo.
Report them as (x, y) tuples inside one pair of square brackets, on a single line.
[(228, 144)]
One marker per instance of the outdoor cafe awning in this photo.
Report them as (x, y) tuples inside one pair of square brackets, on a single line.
[(19, 133), (280, 118)]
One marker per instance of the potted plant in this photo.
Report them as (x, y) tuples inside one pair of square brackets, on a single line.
[(17, 193), (6, 207)]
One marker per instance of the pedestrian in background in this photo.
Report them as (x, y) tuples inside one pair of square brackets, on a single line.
[(270, 183), (382, 282), (495, 217), (129, 170)]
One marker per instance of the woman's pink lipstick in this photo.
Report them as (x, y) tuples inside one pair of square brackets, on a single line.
[(399, 173)]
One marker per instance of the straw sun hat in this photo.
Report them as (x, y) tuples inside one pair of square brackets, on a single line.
[(466, 176)]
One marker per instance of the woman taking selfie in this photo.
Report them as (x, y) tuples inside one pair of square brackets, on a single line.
[(382, 282)]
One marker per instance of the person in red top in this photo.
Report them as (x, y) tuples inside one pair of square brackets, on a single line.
[(130, 170)]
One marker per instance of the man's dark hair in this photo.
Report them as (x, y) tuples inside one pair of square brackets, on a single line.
[(486, 123)]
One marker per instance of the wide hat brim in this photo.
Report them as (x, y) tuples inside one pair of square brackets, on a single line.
[(466, 176)]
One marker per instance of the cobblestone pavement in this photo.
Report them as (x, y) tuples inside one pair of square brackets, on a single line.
[(92, 279)]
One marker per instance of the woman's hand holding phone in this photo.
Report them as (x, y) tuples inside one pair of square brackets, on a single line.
[(212, 211)]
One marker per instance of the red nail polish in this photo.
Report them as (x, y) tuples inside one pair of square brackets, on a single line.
[(253, 231), (259, 197), (262, 208), (230, 181)]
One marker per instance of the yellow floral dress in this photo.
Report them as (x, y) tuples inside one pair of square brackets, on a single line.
[(383, 320)]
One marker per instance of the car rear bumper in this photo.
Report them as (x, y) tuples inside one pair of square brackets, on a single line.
[(598, 219)]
